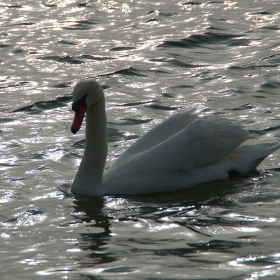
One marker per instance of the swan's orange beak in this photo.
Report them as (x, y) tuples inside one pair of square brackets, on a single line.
[(78, 119)]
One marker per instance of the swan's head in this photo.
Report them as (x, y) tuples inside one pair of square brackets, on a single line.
[(85, 94)]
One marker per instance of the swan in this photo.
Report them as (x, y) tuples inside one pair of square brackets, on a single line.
[(182, 152)]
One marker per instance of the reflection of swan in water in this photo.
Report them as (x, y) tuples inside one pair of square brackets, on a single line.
[(182, 152)]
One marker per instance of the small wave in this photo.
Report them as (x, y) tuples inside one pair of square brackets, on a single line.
[(177, 62), (271, 27), (80, 25), (216, 2), (98, 58), (161, 107), (128, 121), (66, 42), (182, 86), (130, 72), (118, 49), (3, 45), (272, 128), (250, 67), (246, 106), (50, 4), (87, 21), (22, 23), (80, 144), (239, 42), (151, 20), (114, 135), (272, 59), (40, 106), (262, 13), (15, 85), (271, 85), (17, 51), (197, 40), (62, 59), (62, 85), (191, 3), (136, 103)]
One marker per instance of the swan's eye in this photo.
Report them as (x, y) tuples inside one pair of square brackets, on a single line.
[(75, 106), (81, 102)]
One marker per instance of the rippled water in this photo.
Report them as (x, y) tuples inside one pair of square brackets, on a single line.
[(154, 59)]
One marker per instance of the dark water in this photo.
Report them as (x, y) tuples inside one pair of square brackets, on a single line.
[(154, 59)]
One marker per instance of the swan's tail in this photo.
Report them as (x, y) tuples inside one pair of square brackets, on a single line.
[(246, 158)]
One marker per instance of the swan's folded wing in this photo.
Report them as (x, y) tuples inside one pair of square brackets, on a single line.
[(160, 133), (214, 139), (201, 143)]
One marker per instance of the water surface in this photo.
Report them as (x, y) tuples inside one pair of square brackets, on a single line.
[(153, 59)]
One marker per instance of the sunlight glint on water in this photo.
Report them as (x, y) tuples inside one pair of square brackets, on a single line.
[(154, 59)]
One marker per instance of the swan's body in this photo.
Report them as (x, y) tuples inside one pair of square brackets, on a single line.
[(182, 152)]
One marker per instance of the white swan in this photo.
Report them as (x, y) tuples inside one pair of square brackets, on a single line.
[(181, 152)]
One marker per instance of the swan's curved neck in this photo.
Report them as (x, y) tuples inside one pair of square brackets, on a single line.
[(96, 147)]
